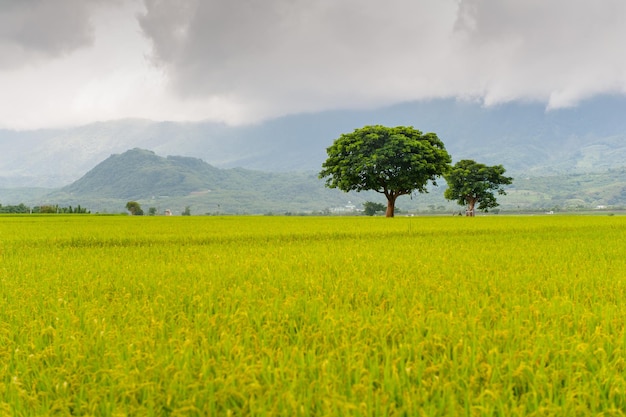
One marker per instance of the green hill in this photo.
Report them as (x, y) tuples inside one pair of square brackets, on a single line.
[(569, 192), (175, 182), (139, 173)]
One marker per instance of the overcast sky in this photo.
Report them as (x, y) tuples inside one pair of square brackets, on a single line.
[(69, 62)]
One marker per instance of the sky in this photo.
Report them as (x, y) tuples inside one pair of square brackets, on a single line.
[(71, 62)]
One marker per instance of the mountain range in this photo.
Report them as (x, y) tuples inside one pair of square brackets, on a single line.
[(179, 183), (526, 138)]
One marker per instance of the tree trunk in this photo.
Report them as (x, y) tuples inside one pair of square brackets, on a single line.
[(391, 205), (471, 208)]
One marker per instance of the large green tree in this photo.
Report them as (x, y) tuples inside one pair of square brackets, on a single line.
[(393, 161), (471, 183)]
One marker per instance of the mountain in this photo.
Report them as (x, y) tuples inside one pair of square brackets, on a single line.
[(139, 173), (524, 137), (175, 182)]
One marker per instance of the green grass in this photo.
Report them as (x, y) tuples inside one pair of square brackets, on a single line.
[(312, 316)]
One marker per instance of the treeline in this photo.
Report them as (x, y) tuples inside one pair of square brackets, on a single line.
[(45, 209)]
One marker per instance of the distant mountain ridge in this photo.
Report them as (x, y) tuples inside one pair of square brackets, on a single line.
[(524, 137), (177, 181)]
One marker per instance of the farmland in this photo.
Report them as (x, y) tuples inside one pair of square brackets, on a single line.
[(120, 315)]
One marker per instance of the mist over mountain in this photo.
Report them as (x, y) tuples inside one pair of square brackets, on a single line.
[(524, 137)]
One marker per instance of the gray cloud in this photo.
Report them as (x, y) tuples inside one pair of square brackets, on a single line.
[(275, 52), (245, 60), (303, 55), (32, 30), (557, 51)]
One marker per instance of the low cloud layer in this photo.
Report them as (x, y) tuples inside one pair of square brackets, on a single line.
[(242, 61)]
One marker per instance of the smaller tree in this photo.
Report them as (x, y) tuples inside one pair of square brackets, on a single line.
[(187, 211), (134, 208), (370, 208), (471, 183)]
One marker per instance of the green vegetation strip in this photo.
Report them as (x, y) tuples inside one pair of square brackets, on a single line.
[(312, 316)]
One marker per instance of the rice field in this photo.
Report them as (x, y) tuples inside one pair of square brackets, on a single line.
[(312, 316)]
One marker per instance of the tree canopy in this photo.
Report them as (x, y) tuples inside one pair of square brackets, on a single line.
[(393, 161), (134, 208), (471, 183)]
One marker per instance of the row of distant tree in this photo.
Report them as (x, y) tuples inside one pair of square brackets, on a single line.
[(45, 209), (134, 208)]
